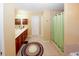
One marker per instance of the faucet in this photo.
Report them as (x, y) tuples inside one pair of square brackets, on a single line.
[(21, 26)]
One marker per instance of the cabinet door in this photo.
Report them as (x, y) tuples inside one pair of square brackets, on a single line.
[(22, 38), (20, 41), (26, 33), (17, 45)]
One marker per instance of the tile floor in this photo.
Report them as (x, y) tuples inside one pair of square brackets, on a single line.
[(49, 47)]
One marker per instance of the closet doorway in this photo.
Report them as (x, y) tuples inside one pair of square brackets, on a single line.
[(35, 25)]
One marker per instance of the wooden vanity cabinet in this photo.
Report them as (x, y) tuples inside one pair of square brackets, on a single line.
[(25, 35), (20, 40), (18, 44)]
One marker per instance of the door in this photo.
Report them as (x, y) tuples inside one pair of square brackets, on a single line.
[(57, 30), (35, 25), (1, 30)]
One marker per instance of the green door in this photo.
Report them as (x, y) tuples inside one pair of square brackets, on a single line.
[(57, 30)]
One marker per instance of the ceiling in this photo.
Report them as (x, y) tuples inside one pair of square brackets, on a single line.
[(39, 6)]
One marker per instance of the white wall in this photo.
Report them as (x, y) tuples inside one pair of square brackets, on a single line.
[(1, 26), (45, 24), (71, 28), (9, 29)]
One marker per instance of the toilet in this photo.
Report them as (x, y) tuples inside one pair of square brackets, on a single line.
[(32, 49)]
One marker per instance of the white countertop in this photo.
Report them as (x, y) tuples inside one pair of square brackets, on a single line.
[(19, 31)]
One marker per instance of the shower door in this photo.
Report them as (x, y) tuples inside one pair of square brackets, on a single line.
[(57, 30)]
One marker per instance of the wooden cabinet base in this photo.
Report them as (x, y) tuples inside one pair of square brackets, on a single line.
[(20, 40)]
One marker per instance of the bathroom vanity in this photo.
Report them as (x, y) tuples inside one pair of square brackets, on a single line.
[(20, 37), (21, 32)]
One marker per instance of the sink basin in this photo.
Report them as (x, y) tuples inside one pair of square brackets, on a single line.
[(17, 31)]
